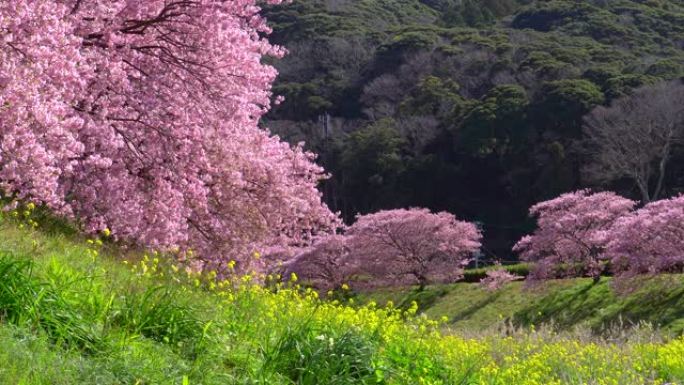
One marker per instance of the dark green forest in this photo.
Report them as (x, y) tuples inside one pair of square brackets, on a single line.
[(477, 107)]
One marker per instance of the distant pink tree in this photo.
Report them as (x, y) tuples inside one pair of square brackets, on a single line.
[(142, 117), (650, 240), (496, 278), (572, 234), (326, 265), (413, 244)]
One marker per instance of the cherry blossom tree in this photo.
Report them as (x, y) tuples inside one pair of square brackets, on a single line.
[(650, 240), (326, 265), (142, 117), (496, 278), (412, 245), (572, 233)]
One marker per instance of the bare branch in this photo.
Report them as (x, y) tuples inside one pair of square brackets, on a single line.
[(634, 138)]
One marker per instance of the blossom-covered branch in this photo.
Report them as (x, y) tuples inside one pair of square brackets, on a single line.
[(142, 117)]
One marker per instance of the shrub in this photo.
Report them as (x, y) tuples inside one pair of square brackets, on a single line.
[(497, 278)]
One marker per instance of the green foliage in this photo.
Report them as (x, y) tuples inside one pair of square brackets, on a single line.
[(564, 102), (665, 69), (622, 85), (434, 97), (369, 160), (577, 96), (311, 355), (549, 15), (422, 299), (376, 147), (472, 13), (27, 301), (469, 13), (496, 123), (488, 96), (304, 19), (159, 313)]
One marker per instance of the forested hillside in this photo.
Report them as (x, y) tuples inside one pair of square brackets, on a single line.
[(474, 107)]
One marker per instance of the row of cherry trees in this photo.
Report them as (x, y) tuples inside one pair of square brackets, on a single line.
[(579, 234), (588, 234)]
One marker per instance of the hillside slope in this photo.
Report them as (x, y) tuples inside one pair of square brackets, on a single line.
[(566, 304), (474, 107), (74, 311)]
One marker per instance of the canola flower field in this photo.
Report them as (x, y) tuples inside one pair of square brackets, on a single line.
[(76, 311)]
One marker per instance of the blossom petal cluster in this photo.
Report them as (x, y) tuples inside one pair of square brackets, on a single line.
[(326, 265), (413, 245), (572, 233), (389, 248), (143, 117), (497, 278), (649, 240)]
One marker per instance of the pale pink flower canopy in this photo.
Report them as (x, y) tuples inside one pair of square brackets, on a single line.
[(142, 117)]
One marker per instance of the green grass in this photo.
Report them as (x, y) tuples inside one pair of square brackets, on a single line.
[(70, 316), (75, 312), (564, 303), (476, 275)]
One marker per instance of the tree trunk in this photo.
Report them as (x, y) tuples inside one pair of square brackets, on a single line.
[(643, 188), (661, 172), (421, 286), (422, 282)]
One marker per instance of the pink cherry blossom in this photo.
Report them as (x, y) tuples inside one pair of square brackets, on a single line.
[(412, 245), (143, 117), (650, 240), (326, 265), (497, 278), (572, 233)]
